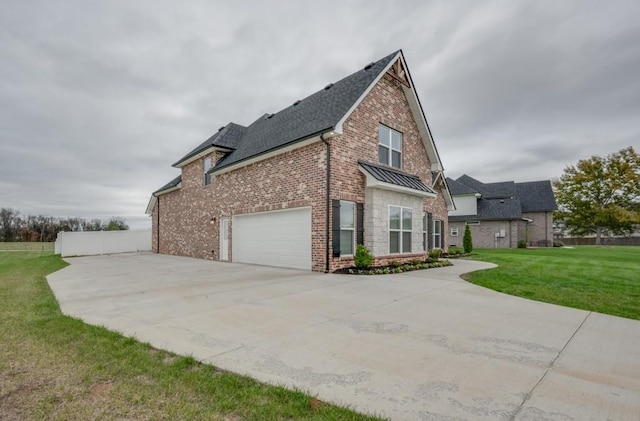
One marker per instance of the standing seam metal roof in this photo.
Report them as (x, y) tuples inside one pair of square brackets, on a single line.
[(396, 177)]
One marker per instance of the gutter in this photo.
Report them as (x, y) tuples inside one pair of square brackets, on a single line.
[(221, 169)]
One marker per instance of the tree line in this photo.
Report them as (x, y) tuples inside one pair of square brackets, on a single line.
[(17, 227)]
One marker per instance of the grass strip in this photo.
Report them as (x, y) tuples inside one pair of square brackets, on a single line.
[(56, 367), (602, 279)]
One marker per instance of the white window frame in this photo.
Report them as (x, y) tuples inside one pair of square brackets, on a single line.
[(390, 147), (401, 230), (454, 231), (437, 234), (352, 229), (207, 163)]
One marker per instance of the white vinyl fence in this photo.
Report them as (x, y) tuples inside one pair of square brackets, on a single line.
[(102, 242)]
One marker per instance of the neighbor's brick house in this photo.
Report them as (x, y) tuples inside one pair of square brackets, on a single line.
[(502, 214), (354, 163)]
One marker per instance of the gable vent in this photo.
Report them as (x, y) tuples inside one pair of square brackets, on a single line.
[(326, 88), (296, 103), (368, 66)]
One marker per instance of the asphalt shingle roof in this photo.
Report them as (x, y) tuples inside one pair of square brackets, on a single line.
[(489, 190), (457, 188), (170, 184), (227, 137), (504, 200), (396, 177), (536, 196), (305, 118)]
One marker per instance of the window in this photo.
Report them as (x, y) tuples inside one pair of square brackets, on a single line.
[(473, 222), (437, 234), (390, 146), (424, 231), (347, 227), (207, 167), (454, 231), (399, 229)]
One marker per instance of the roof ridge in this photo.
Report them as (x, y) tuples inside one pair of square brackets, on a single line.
[(326, 87)]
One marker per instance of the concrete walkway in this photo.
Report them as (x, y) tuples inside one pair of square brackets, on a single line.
[(422, 345)]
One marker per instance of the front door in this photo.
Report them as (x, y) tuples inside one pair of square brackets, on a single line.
[(224, 238)]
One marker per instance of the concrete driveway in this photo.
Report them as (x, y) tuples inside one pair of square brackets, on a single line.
[(422, 345)]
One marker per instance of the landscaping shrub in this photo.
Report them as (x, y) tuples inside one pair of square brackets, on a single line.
[(435, 254), (467, 241), (363, 258), (395, 264), (558, 244), (522, 244)]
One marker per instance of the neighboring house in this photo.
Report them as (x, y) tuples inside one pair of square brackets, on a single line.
[(354, 163), (502, 214)]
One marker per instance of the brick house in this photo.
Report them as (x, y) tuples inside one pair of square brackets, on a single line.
[(502, 214), (353, 163)]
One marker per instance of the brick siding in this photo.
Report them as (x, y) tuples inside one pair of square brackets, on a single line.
[(189, 217)]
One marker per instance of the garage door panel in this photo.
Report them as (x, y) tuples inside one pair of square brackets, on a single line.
[(281, 238)]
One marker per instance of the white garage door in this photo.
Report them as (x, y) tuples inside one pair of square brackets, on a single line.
[(279, 238)]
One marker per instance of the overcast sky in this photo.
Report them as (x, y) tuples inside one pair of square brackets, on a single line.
[(99, 98)]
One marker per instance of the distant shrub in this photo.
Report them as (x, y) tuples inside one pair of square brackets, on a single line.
[(467, 241), (558, 244), (522, 244), (363, 258)]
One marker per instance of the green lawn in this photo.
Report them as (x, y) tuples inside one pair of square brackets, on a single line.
[(602, 279), (57, 368)]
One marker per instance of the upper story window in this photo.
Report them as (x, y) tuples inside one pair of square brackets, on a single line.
[(207, 167), (390, 146)]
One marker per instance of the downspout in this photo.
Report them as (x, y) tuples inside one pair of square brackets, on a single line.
[(158, 228), (327, 201)]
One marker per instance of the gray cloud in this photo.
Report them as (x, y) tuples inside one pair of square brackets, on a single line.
[(97, 99)]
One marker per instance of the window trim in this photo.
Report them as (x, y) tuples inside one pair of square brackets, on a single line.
[(401, 230), (352, 229), (207, 176), (390, 147), (437, 235), (457, 231)]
